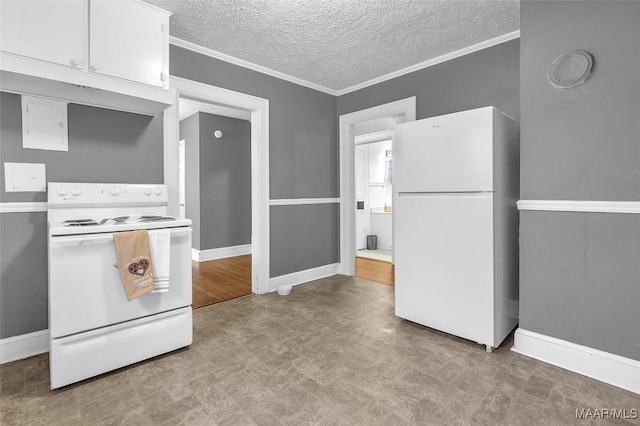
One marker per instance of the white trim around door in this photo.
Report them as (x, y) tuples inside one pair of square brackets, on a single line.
[(259, 109), (406, 109)]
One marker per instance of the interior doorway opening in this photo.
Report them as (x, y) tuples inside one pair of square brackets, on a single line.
[(363, 127), (258, 110), (374, 207), (215, 194)]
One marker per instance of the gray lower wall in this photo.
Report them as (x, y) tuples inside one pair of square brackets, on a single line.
[(579, 272), (104, 146), (579, 278), (313, 246), (225, 182), (23, 273), (303, 156), (486, 77)]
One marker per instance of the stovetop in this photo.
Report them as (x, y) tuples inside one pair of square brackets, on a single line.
[(92, 208), (132, 223), (120, 220)]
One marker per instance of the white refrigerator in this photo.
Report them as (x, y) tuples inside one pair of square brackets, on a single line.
[(456, 183)]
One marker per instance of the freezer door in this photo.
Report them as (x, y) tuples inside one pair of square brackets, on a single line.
[(444, 263), (450, 153)]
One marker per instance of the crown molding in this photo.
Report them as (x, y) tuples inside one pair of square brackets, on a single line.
[(249, 65), (434, 61), (277, 74)]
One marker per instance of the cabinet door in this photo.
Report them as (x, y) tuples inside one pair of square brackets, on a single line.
[(129, 40), (53, 31)]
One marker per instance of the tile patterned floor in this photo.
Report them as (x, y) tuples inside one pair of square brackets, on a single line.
[(331, 353)]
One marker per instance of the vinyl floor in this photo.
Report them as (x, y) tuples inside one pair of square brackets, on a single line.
[(331, 353)]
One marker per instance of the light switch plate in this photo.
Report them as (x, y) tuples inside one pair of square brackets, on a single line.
[(25, 177)]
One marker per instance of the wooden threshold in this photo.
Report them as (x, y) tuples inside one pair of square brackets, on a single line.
[(375, 270)]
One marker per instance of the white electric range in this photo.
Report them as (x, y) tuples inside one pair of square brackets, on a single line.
[(93, 328)]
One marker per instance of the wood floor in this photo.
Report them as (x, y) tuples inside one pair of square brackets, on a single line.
[(219, 280), (375, 270)]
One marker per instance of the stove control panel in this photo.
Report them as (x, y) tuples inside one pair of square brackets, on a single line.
[(114, 191), (62, 194)]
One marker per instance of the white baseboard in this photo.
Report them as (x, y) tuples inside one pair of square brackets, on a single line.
[(307, 275), (23, 346), (604, 366), (220, 253)]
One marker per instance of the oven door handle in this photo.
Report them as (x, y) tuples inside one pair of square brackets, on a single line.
[(66, 240)]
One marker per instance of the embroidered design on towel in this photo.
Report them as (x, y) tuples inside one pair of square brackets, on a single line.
[(139, 267)]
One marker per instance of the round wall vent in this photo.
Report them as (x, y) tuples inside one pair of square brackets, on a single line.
[(570, 69)]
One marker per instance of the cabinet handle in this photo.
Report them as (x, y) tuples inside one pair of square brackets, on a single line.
[(96, 67), (75, 62)]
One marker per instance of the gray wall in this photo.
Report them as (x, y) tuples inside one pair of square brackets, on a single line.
[(487, 77), (104, 146), (218, 180), (190, 132), (309, 249), (225, 182), (579, 272), (303, 151), (303, 147)]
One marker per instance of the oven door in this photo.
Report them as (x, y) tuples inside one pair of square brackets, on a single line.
[(85, 290)]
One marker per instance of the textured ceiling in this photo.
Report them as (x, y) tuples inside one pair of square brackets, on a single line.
[(339, 43)]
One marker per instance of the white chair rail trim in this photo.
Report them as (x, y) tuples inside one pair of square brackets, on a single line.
[(632, 207), (299, 201), (23, 207)]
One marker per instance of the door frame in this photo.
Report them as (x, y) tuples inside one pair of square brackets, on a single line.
[(259, 109), (406, 109)]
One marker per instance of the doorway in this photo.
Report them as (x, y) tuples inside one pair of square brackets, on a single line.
[(374, 207), (258, 110), (364, 124), (215, 194)]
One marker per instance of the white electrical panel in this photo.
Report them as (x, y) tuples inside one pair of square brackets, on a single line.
[(44, 124), (25, 177)]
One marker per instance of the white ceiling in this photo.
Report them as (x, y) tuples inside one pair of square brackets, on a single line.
[(338, 44)]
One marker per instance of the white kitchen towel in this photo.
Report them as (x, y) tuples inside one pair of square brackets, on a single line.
[(160, 244)]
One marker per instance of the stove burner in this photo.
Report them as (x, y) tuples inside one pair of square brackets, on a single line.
[(81, 223), (155, 218)]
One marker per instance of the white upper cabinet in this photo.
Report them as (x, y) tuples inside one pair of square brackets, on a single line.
[(53, 31), (120, 47), (129, 40)]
